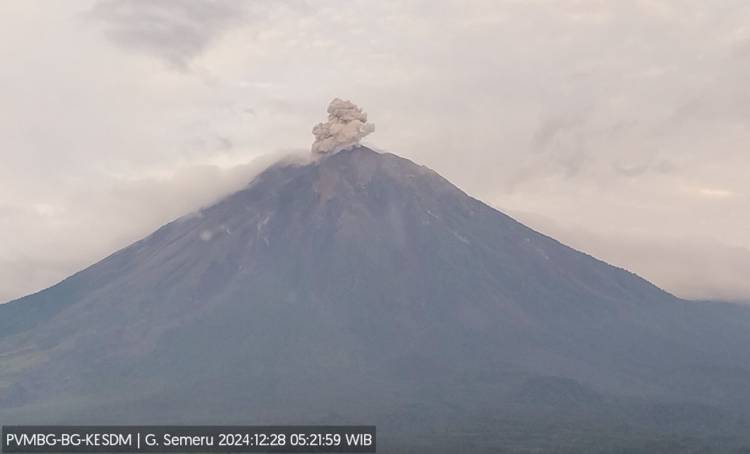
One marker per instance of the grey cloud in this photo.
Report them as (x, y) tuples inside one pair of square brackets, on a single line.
[(173, 30), (636, 170), (550, 128), (631, 171)]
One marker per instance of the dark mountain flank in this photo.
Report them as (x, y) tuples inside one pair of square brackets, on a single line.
[(363, 288)]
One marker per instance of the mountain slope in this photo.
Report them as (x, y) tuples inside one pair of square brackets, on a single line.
[(363, 287)]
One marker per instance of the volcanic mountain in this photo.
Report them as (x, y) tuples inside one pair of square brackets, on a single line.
[(363, 288)]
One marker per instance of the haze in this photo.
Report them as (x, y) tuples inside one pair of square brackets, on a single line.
[(620, 128)]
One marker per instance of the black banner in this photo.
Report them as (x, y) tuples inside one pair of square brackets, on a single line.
[(166, 439)]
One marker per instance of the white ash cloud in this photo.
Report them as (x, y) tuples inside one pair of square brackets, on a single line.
[(346, 126)]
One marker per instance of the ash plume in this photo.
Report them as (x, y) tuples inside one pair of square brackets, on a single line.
[(346, 126)]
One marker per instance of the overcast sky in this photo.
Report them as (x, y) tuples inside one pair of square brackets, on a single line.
[(619, 127)]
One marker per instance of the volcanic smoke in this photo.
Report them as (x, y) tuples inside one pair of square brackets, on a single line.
[(346, 126)]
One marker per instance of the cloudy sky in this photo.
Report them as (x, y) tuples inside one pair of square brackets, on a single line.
[(619, 127)]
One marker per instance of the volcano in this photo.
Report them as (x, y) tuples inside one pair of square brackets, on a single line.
[(363, 288)]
